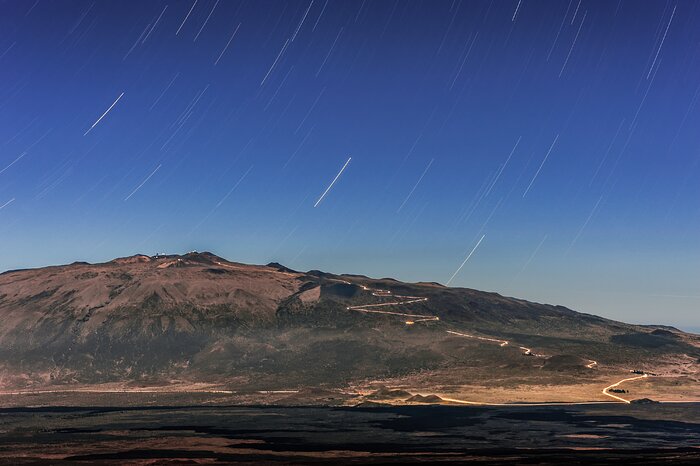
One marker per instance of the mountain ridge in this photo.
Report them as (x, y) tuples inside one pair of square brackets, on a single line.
[(197, 318)]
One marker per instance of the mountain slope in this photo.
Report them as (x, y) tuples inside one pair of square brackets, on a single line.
[(196, 319)]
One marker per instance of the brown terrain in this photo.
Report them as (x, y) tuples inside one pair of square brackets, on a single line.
[(183, 329)]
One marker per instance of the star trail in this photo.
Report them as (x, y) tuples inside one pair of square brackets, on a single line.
[(563, 131)]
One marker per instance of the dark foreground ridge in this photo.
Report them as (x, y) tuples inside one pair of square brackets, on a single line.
[(596, 434)]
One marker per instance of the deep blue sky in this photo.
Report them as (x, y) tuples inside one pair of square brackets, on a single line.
[(237, 152)]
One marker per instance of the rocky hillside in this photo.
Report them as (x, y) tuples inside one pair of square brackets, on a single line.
[(197, 318)]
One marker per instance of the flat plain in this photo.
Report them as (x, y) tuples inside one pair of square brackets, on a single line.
[(573, 434)]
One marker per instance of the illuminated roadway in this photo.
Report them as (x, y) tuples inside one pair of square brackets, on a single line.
[(371, 308), (403, 300), (629, 379)]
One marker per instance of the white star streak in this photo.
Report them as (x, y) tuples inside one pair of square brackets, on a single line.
[(164, 91), (104, 114), (143, 182), (498, 175), (532, 256), (329, 51), (573, 44), (234, 188), (332, 182), (585, 224), (516, 10), (302, 21), (415, 185), (206, 21), (227, 44), (7, 203), (13, 162), (573, 18), (154, 24), (137, 42), (275, 62), (188, 15), (459, 71), (319, 16), (541, 165), (223, 199), (284, 80), (551, 49), (662, 42), (465, 261), (8, 49), (310, 110)]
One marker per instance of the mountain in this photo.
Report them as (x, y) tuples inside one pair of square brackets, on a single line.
[(199, 323)]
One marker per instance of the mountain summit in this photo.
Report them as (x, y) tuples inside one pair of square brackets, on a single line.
[(197, 320)]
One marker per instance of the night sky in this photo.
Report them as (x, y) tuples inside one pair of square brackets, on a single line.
[(561, 137)]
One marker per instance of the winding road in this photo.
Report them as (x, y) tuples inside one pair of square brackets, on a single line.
[(415, 318), (404, 300), (376, 308), (606, 390)]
